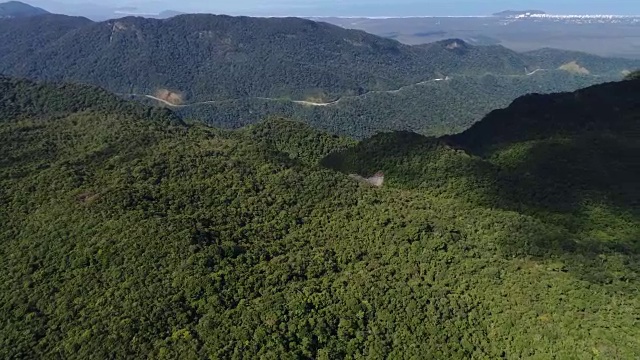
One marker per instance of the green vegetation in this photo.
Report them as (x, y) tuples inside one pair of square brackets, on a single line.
[(554, 58), (128, 234), (297, 140), (435, 108), (24, 99), (237, 62), (16, 9)]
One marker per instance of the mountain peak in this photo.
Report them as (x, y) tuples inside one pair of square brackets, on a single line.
[(13, 9)]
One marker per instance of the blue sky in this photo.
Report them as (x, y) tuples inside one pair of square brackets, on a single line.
[(350, 7)]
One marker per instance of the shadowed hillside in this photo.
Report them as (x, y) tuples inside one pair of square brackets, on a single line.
[(604, 109), (567, 159)]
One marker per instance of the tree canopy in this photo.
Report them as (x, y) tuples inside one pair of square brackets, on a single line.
[(128, 234)]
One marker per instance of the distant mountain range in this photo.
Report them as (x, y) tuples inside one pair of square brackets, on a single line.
[(16, 9), (90, 10), (132, 11), (231, 71)]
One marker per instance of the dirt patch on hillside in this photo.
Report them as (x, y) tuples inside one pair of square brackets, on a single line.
[(172, 97), (376, 180), (575, 68), (453, 45), (87, 197)]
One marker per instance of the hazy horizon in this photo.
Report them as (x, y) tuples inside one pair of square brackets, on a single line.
[(373, 8)]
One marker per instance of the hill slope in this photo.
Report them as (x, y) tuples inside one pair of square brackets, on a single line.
[(567, 159), (24, 99), (606, 109), (16, 9), (430, 108), (24, 38), (128, 235), (211, 66), (210, 57)]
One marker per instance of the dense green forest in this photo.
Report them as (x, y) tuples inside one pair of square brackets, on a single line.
[(233, 71), (554, 58), (435, 108), (16, 9), (127, 233)]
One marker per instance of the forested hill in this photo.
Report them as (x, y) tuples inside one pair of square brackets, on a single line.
[(607, 109), (16, 9), (454, 56), (23, 38), (553, 156), (209, 57), (126, 234), (232, 71), (21, 99)]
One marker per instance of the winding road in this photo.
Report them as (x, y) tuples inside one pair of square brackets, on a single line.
[(311, 103), (300, 102), (533, 72)]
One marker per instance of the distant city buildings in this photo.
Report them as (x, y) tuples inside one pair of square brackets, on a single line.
[(581, 19), (552, 16), (577, 19)]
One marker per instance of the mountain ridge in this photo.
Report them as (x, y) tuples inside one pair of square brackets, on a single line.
[(220, 63), (17, 9), (587, 107), (580, 144)]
